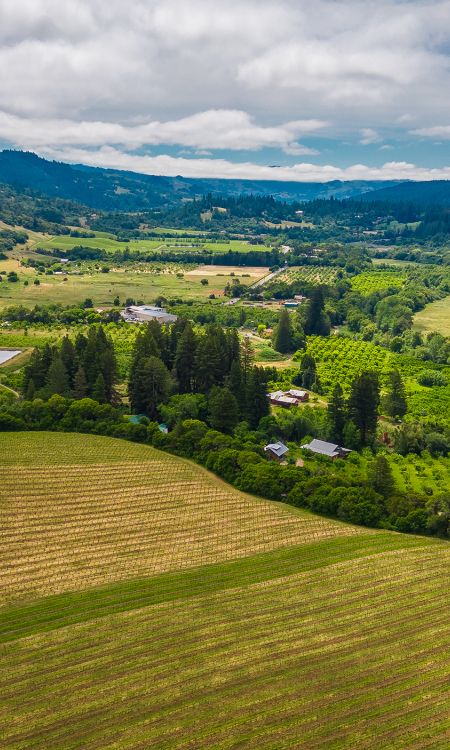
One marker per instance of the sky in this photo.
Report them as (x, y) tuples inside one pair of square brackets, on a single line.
[(309, 90)]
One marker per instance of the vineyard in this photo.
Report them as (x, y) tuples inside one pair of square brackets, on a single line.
[(369, 282), (146, 604), (311, 274)]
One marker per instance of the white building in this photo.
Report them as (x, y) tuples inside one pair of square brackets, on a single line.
[(145, 313)]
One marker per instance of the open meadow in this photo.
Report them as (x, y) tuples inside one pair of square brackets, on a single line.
[(146, 604), (146, 283), (434, 317)]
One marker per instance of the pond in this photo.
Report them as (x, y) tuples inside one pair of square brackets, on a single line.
[(6, 354)]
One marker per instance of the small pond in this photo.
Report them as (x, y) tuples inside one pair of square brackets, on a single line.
[(6, 354)]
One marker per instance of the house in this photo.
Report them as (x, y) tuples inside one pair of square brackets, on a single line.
[(299, 395), (322, 448), (290, 304), (279, 398), (276, 451), (145, 313), (299, 297)]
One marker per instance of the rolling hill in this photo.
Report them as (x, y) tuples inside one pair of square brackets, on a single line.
[(147, 604), (116, 190)]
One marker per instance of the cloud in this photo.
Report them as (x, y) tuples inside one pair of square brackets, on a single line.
[(215, 129), (207, 167), (208, 75), (369, 136), (437, 131)]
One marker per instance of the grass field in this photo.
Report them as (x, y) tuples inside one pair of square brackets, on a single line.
[(102, 288), (198, 243), (434, 317), (148, 605)]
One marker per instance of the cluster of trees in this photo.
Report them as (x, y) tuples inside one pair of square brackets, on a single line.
[(309, 320), (180, 359), (85, 367), (353, 421)]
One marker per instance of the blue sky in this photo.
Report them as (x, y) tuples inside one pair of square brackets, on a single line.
[(292, 89)]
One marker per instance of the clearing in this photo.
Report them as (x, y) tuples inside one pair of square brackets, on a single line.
[(434, 317), (146, 604)]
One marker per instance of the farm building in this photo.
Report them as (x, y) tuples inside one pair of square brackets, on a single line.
[(276, 451), (290, 303), (322, 448), (145, 313), (288, 398), (299, 395)]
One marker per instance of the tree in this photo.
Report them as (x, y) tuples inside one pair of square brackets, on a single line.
[(223, 410), (317, 322), (351, 437), (337, 413), (395, 400), (184, 366), (57, 377), (99, 389), (149, 386), (283, 334), (363, 405), (80, 386), (307, 376), (256, 401), (381, 478)]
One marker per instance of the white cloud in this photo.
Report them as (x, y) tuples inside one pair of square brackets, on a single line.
[(204, 167), (369, 136), (207, 75), (214, 129), (437, 131)]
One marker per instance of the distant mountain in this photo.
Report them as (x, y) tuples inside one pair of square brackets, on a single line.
[(436, 192), (116, 190)]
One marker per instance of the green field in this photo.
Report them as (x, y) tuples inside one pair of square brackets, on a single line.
[(146, 284), (434, 317), (146, 604), (197, 243)]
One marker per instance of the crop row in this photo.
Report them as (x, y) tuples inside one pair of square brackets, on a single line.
[(352, 655), (311, 274)]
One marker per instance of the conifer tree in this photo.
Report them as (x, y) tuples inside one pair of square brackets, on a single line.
[(395, 401), (337, 414), (363, 405), (57, 377), (184, 366), (381, 477), (223, 409), (283, 334), (317, 322), (99, 389), (80, 387)]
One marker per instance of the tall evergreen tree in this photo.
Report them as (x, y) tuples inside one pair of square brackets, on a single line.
[(57, 377), (257, 404), (283, 336), (69, 358), (307, 376), (99, 389), (317, 322), (363, 405), (80, 387), (381, 477), (395, 400), (337, 413), (184, 365), (150, 386)]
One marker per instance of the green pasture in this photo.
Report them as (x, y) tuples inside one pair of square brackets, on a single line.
[(434, 317)]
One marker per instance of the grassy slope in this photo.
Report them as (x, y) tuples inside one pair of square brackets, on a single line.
[(434, 317), (152, 606)]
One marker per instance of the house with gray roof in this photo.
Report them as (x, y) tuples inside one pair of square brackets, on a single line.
[(276, 451), (322, 448)]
